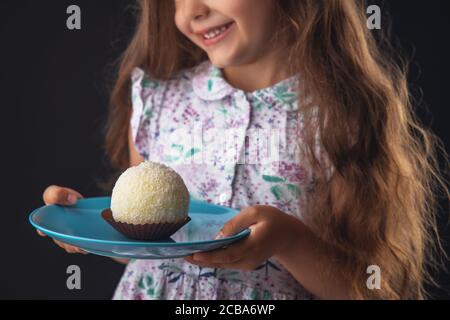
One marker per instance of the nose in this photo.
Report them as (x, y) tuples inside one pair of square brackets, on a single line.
[(194, 9)]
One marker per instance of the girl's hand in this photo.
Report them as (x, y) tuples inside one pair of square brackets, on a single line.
[(61, 196), (272, 232)]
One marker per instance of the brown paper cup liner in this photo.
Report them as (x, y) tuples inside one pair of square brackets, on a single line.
[(148, 232)]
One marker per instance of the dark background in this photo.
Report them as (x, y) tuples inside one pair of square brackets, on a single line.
[(54, 86)]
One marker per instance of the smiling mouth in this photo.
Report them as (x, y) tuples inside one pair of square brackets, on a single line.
[(216, 32)]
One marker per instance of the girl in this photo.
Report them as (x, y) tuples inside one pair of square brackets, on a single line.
[(352, 186)]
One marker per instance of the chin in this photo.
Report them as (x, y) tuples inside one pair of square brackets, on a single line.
[(219, 63), (222, 61)]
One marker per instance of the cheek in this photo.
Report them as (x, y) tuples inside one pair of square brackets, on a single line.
[(255, 19), (182, 25)]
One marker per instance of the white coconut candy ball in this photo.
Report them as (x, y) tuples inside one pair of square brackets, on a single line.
[(149, 193)]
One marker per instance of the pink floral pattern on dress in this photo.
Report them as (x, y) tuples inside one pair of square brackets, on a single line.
[(168, 120)]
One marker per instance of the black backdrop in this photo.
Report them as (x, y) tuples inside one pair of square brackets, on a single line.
[(54, 92)]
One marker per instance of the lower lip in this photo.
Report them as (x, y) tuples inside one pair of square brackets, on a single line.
[(220, 37)]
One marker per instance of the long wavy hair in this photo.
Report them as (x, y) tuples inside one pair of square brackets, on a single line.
[(379, 208)]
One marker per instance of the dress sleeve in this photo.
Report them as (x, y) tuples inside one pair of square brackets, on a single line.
[(143, 92)]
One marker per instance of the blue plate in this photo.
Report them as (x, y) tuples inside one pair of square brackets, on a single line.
[(82, 226)]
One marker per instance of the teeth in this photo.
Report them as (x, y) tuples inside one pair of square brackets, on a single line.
[(214, 33)]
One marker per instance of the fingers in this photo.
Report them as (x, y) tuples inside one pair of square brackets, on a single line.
[(241, 221), (40, 233), (231, 254), (69, 248), (60, 195), (63, 196), (121, 261), (235, 253)]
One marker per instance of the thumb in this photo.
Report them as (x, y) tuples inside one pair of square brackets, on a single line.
[(240, 222), (61, 195)]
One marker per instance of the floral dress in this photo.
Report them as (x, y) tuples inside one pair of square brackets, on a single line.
[(231, 148)]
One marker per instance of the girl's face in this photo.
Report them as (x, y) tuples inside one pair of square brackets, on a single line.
[(232, 32)]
